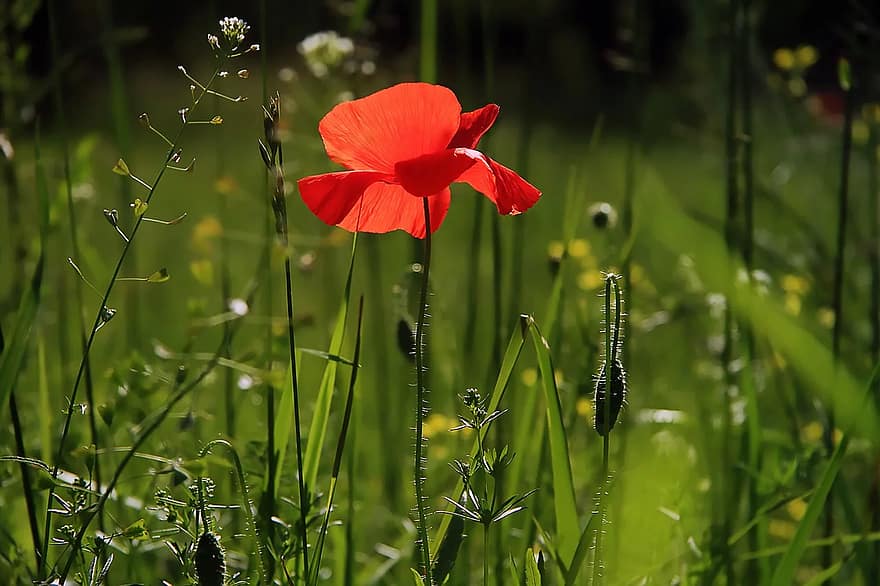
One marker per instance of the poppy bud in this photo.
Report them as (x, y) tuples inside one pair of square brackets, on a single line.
[(210, 561), (617, 395)]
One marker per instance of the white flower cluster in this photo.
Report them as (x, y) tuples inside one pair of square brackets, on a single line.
[(234, 29), (324, 51)]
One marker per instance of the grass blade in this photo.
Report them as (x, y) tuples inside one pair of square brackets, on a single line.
[(321, 416), (564, 506)]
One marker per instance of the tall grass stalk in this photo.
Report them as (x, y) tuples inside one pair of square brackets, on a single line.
[(422, 408), (269, 497), (837, 285), (101, 312), (275, 164)]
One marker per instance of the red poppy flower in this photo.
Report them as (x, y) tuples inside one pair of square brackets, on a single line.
[(402, 144)]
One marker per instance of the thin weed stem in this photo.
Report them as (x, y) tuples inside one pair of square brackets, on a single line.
[(26, 481), (422, 407), (303, 491), (100, 318)]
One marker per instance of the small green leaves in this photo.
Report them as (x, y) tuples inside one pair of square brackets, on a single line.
[(139, 206), (844, 74), (136, 530), (159, 276), (121, 168)]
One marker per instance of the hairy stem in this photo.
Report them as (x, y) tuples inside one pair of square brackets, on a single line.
[(422, 407)]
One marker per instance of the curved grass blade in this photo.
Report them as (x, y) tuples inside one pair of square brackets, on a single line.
[(567, 531), (321, 416)]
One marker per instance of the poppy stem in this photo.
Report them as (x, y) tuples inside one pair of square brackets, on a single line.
[(422, 408)]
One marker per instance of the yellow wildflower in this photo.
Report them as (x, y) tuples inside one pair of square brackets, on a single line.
[(783, 58)]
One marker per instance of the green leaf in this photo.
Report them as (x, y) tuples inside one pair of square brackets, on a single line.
[(159, 276), (417, 578), (139, 207), (136, 530), (564, 506), (533, 575), (121, 168)]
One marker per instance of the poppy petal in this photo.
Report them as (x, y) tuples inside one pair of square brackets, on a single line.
[(429, 174), (510, 193), (331, 196), (385, 207), (402, 122), (473, 126)]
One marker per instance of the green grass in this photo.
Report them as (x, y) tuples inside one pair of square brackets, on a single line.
[(689, 500)]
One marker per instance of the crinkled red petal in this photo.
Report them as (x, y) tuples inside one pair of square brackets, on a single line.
[(473, 126), (402, 122), (510, 193)]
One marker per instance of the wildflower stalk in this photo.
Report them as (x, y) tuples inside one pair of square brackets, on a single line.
[(422, 408), (273, 157), (101, 314)]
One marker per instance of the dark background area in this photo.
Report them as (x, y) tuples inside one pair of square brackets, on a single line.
[(534, 44)]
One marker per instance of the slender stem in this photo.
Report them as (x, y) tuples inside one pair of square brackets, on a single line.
[(422, 406), (269, 496), (26, 481), (62, 444), (485, 554), (837, 301), (303, 492)]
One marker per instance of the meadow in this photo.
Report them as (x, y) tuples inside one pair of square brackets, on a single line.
[(201, 382)]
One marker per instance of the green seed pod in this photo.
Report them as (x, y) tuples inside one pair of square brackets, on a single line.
[(210, 561), (618, 397)]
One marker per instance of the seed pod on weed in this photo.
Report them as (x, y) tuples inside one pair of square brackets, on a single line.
[(617, 397), (406, 339), (210, 561)]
